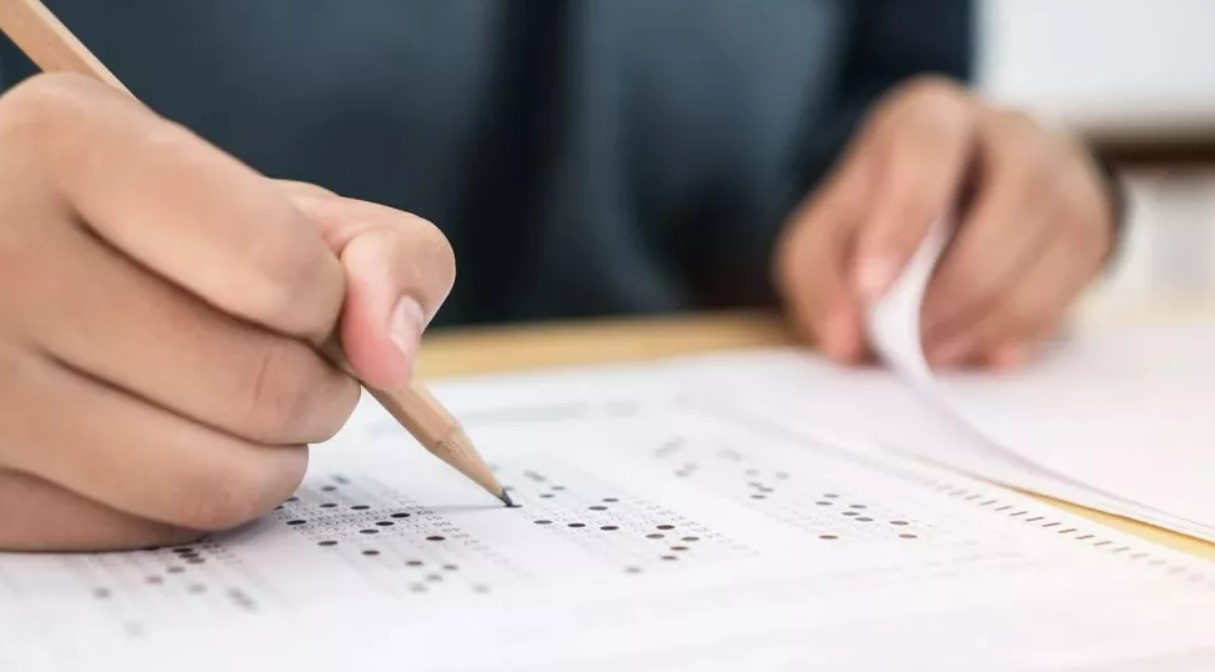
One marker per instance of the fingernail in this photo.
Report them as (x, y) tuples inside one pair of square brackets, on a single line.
[(405, 327), (875, 275)]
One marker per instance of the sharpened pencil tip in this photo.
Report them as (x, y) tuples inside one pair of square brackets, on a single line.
[(505, 497)]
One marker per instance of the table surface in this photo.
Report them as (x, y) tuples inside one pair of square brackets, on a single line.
[(501, 349)]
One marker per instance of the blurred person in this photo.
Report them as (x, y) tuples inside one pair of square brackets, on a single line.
[(165, 298)]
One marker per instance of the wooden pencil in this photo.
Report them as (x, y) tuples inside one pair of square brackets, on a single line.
[(53, 48)]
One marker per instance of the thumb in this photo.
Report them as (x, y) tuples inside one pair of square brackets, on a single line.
[(399, 269), (924, 154)]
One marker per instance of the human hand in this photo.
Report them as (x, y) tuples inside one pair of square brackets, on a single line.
[(1033, 226), (162, 311)]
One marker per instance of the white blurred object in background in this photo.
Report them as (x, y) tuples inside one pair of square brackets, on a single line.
[(1114, 67), (1169, 246), (1130, 71)]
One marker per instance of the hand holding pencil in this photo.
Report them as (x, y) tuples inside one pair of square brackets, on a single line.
[(165, 313)]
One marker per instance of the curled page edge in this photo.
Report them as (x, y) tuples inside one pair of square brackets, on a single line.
[(893, 323), (893, 327)]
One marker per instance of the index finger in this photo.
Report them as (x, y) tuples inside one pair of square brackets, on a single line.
[(192, 214), (923, 156)]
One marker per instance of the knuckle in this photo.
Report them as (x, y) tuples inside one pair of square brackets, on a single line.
[(40, 98), (346, 398), (1013, 139), (282, 257), (1038, 191), (1023, 310), (1079, 222), (434, 257), (916, 212), (305, 190), (223, 494), (925, 131), (1020, 169), (934, 104), (275, 396), (1074, 223), (933, 88), (1055, 193), (42, 110), (1011, 130), (1074, 202), (213, 499), (54, 118), (968, 281), (1002, 126), (1023, 145), (849, 198), (1090, 236), (1019, 121)]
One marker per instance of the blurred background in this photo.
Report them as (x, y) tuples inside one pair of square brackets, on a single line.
[(1138, 77)]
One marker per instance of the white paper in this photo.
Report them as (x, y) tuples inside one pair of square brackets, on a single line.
[(893, 323), (1123, 410), (1113, 420), (781, 547)]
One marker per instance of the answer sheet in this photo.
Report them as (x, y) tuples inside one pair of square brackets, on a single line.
[(671, 518)]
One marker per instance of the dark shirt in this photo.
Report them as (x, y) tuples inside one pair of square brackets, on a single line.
[(585, 157)]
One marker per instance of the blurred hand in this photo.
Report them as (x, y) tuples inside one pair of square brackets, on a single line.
[(160, 319), (1034, 226)]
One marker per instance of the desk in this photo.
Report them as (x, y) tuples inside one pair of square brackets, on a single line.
[(499, 349)]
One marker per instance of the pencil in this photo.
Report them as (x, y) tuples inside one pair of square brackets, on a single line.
[(50, 45)]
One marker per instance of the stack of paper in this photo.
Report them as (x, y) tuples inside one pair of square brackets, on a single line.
[(663, 525)]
